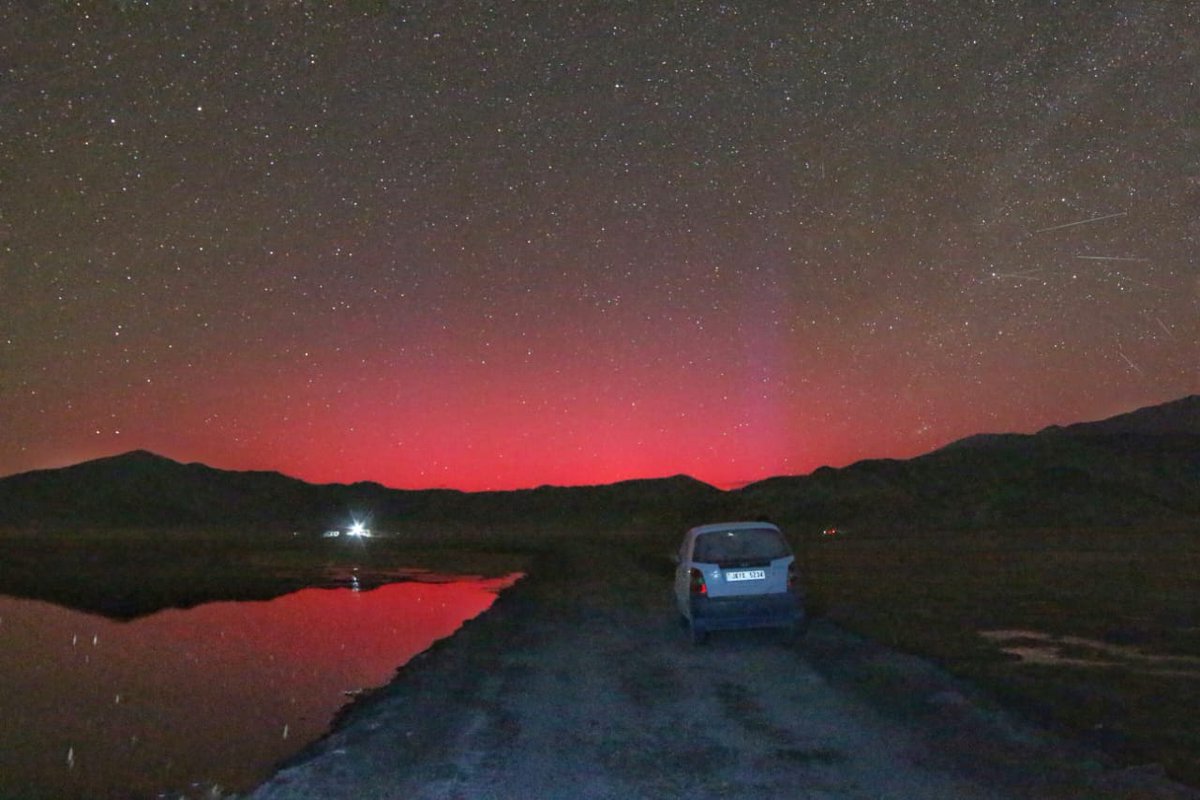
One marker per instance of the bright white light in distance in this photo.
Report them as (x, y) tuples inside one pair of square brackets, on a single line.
[(357, 529)]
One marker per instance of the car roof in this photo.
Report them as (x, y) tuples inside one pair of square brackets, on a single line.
[(730, 526)]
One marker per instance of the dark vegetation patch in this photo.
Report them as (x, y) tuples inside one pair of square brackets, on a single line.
[(932, 594), (742, 709), (126, 573), (824, 756), (648, 683)]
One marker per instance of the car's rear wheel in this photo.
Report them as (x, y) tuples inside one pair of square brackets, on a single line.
[(698, 634)]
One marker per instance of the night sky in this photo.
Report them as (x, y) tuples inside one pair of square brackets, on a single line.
[(498, 245)]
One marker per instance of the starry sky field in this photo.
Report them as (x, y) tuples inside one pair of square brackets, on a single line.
[(494, 245)]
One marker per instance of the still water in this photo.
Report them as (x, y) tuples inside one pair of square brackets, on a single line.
[(181, 702)]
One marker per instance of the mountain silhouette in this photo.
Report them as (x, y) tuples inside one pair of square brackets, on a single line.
[(1139, 466), (1134, 467), (139, 489)]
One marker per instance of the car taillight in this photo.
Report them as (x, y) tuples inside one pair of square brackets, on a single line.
[(792, 577), (697, 583)]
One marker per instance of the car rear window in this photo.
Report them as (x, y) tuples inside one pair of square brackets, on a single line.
[(751, 544)]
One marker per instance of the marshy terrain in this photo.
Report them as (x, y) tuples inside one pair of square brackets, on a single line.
[(905, 637), (1093, 632), (199, 698), (580, 677)]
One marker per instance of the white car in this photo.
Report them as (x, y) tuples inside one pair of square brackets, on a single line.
[(735, 575)]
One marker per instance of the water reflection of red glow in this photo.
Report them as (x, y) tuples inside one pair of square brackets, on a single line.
[(213, 695)]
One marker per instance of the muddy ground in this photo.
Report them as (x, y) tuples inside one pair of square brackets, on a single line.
[(580, 683)]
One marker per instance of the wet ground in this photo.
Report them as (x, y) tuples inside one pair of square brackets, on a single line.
[(203, 700), (579, 683)]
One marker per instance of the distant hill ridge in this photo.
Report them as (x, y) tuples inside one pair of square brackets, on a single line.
[(1175, 417), (1143, 465), (1134, 467), (1180, 416)]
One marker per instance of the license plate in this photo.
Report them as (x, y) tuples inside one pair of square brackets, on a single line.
[(746, 575)]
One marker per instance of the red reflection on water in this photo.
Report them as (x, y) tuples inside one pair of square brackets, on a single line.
[(213, 695)]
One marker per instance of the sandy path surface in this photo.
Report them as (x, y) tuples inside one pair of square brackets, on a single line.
[(564, 690)]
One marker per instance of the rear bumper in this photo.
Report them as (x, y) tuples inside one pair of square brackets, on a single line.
[(752, 611)]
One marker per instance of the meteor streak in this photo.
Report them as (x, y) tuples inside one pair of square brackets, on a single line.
[(1081, 222), (1128, 360), (1018, 276)]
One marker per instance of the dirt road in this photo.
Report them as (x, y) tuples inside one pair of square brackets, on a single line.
[(581, 687)]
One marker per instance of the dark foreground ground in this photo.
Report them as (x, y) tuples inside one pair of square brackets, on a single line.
[(579, 674), (578, 683)]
